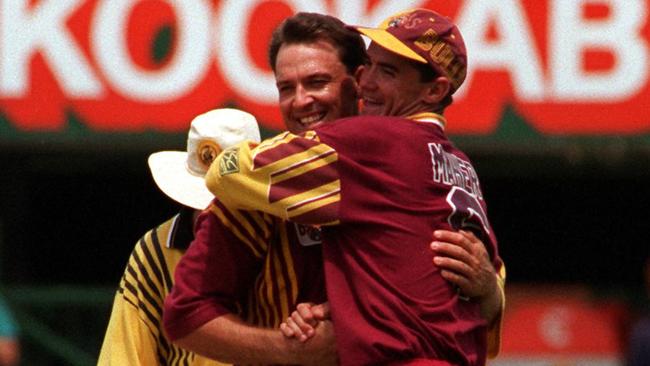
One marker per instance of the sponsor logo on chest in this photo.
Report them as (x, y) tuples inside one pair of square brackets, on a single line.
[(308, 235)]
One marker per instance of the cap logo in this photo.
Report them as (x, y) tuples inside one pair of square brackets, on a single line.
[(229, 161), (406, 19), (207, 151), (441, 53), (395, 22), (427, 40)]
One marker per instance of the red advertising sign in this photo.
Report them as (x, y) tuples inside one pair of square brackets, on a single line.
[(569, 67), (556, 325)]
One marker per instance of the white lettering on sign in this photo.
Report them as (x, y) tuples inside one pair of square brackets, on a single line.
[(620, 33), (354, 12), (187, 68), (24, 32), (552, 52), (232, 25), (514, 50)]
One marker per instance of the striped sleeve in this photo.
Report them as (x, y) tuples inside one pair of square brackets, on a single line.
[(252, 228), (289, 176), (134, 333)]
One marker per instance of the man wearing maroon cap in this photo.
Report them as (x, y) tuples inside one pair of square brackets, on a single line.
[(429, 40), (384, 181)]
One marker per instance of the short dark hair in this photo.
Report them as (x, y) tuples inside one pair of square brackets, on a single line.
[(306, 27), (427, 74)]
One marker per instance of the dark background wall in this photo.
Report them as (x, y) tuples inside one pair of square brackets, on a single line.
[(73, 217)]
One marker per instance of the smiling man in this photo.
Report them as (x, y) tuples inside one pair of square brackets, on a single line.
[(315, 77), (257, 268), (379, 184), (247, 271)]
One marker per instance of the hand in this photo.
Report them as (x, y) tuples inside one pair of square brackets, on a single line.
[(304, 319), (464, 261), (321, 348)]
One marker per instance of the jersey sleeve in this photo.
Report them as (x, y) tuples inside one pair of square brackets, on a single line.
[(128, 341), (293, 177), (218, 269), (134, 335), (495, 330)]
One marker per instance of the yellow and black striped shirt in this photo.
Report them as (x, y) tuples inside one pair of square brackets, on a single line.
[(134, 335)]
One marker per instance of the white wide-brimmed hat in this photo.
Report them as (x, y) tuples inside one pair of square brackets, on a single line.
[(180, 175)]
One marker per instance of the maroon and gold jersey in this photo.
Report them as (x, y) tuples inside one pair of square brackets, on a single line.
[(246, 263), (386, 183)]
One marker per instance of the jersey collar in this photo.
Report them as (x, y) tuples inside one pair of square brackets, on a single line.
[(429, 117), (181, 233)]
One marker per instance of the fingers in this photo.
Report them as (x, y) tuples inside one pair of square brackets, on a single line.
[(462, 245), (449, 236), (459, 240), (296, 329), (321, 311), (450, 264), (460, 281), (286, 330), (301, 323), (305, 314), (470, 235), (444, 249)]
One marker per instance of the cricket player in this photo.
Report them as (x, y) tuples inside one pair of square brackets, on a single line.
[(211, 308), (378, 185), (134, 335)]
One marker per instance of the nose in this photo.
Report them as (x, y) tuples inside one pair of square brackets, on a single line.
[(302, 97)]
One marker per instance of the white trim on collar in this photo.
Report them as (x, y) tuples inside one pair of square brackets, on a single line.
[(172, 230), (434, 121)]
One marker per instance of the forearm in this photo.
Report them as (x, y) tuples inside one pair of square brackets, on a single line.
[(491, 306), (229, 339)]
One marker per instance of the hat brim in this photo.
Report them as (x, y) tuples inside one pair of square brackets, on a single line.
[(390, 42), (170, 173)]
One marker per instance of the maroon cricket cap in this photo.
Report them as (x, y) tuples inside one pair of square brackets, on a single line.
[(424, 36)]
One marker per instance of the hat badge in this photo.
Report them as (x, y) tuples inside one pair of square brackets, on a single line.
[(207, 151)]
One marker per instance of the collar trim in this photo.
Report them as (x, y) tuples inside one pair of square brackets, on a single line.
[(430, 117)]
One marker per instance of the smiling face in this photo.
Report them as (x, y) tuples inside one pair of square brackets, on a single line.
[(391, 85), (313, 85)]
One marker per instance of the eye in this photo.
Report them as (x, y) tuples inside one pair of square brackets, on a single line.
[(318, 83), (285, 88), (388, 71)]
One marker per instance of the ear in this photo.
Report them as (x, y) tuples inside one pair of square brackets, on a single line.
[(358, 73), (437, 90)]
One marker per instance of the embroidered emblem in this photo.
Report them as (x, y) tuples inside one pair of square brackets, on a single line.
[(207, 151), (406, 19), (427, 40), (229, 162)]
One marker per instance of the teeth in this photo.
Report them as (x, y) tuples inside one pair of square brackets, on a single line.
[(310, 119)]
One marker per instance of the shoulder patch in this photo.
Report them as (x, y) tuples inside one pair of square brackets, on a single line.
[(229, 162)]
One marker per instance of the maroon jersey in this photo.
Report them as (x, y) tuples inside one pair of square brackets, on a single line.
[(245, 263), (388, 301), (384, 184)]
